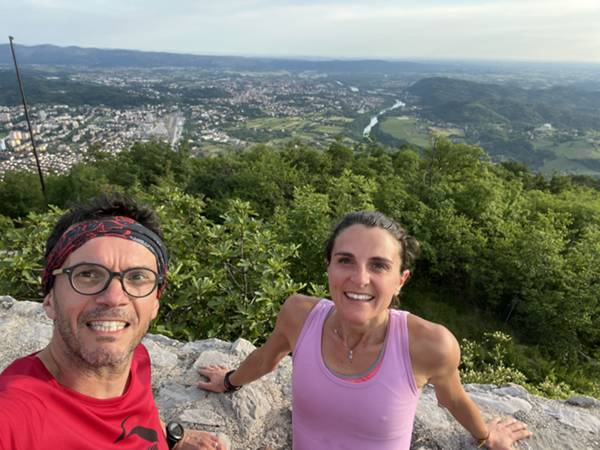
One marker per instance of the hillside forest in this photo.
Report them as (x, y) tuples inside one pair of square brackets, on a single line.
[(510, 259)]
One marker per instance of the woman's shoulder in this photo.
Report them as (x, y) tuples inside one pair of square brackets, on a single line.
[(299, 306), (432, 346), (425, 329), (293, 314)]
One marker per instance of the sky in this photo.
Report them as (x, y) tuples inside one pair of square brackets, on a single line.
[(526, 30)]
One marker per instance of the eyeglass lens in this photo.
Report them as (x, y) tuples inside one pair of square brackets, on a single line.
[(93, 279)]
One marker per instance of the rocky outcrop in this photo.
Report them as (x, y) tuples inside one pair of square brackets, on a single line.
[(259, 415)]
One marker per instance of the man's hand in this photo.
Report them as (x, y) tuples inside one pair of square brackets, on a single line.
[(215, 375), (504, 433), (199, 440)]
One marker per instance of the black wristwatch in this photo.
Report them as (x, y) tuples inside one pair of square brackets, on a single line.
[(175, 433), (228, 386)]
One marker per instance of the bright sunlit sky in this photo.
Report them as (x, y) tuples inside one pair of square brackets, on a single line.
[(553, 30)]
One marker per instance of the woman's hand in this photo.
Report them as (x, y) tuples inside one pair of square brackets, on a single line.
[(216, 375), (504, 433)]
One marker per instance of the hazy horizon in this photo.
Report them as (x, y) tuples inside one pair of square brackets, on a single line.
[(469, 30), (415, 59)]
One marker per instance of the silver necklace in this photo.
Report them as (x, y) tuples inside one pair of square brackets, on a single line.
[(350, 353)]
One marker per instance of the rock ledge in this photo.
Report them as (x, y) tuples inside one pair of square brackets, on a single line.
[(259, 415)]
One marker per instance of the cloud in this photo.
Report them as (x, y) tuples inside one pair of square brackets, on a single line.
[(533, 29)]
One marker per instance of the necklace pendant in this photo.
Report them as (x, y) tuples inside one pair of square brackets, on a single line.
[(350, 355)]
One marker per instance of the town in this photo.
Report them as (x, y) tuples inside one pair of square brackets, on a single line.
[(206, 111)]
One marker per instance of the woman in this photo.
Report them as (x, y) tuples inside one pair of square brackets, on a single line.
[(358, 365)]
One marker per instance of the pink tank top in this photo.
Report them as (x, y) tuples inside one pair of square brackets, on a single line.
[(330, 413)]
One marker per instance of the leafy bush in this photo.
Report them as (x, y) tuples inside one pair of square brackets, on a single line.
[(246, 229), (307, 224), (485, 362), (22, 253), (226, 279), (489, 361)]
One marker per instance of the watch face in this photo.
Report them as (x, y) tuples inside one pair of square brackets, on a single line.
[(175, 430)]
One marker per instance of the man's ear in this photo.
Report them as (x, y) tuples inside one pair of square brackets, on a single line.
[(49, 305), (155, 307)]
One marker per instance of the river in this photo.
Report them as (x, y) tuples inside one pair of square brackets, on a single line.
[(375, 118)]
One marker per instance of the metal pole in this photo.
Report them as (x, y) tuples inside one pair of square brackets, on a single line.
[(37, 160)]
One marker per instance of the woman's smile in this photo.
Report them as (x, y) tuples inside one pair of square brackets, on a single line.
[(358, 297)]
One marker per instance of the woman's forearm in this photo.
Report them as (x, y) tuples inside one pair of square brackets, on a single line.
[(253, 367), (466, 412)]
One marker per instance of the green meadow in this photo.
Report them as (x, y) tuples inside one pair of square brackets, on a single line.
[(406, 128), (571, 154)]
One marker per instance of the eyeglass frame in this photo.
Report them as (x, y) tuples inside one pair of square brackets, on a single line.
[(159, 279)]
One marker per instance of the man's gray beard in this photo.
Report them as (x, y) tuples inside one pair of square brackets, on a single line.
[(99, 358)]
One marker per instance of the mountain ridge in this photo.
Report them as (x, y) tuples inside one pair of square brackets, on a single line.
[(49, 54)]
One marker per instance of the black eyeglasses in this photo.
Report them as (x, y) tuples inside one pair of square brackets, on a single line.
[(92, 279)]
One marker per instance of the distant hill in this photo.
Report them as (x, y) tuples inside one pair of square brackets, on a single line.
[(58, 89), (467, 102), (503, 119), (112, 58)]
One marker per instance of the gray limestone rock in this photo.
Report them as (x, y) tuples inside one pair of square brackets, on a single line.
[(584, 401), (259, 415)]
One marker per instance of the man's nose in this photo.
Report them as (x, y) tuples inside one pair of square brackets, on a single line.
[(114, 294)]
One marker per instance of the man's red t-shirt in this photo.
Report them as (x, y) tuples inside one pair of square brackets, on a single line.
[(36, 412)]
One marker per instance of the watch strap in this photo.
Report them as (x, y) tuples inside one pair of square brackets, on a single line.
[(174, 432)]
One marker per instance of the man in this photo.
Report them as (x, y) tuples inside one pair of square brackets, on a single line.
[(90, 388)]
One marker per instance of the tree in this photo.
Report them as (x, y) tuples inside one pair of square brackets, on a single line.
[(20, 193), (226, 279), (341, 157), (350, 192), (306, 223), (81, 183)]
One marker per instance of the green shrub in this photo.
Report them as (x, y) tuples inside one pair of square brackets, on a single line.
[(489, 361), (22, 252), (485, 362), (226, 279)]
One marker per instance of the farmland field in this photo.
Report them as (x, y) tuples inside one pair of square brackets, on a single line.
[(564, 165), (586, 147), (314, 128), (406, 128)]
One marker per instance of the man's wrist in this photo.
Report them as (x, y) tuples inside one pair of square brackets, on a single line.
[(175, 433)]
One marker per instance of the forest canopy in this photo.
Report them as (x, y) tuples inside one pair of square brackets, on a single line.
[(246, 229)]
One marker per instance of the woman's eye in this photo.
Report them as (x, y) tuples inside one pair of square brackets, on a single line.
[(380, 266)]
